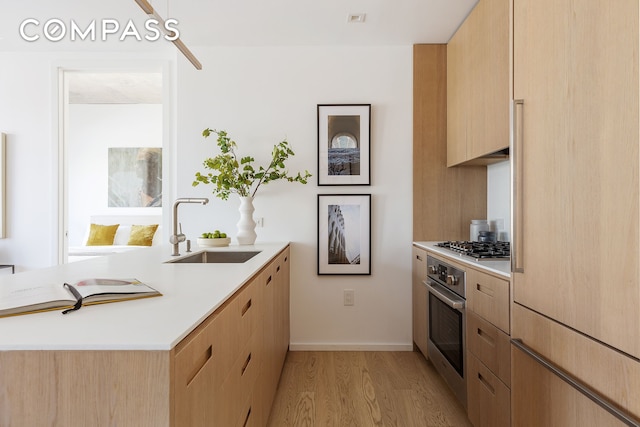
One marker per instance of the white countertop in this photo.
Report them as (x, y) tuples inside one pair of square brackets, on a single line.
[(190, 293), (502, 268)]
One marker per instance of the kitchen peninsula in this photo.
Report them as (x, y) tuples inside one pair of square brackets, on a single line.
[(209, 350)]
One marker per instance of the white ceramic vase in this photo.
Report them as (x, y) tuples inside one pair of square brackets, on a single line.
[(246, 226)]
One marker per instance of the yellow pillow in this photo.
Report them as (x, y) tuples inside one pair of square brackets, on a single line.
[(142, 235), (100, 235)]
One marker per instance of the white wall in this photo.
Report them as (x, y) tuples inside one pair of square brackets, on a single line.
[(93, 129), (28, 115), (261, 95), (25, 116), (499, 196)]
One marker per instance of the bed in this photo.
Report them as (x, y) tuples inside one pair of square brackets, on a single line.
[(121, 240)]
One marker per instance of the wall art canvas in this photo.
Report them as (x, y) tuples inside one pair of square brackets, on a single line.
[(135, 177), (344, 144), (344, 234)]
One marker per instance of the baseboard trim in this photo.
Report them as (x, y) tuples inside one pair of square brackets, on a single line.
[(350, 347)]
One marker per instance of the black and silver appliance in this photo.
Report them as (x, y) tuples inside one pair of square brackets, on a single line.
[(480, 251), (446, 340)]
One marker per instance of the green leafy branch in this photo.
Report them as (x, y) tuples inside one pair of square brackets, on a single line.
[(231, 175)]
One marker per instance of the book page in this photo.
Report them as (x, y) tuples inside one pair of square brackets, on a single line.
[(27, 296), (113, 287)]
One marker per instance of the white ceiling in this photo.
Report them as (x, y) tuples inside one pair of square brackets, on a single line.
[(242, 22), (223, 23), (115, 88)]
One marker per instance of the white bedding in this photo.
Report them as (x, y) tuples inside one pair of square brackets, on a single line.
[(101, 250), (77, 253)]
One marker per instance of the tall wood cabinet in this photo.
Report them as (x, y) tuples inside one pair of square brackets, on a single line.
[(576, 217), (445, 200), (478, 84)]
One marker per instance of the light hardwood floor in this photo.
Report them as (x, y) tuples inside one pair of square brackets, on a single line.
[(363, 389)]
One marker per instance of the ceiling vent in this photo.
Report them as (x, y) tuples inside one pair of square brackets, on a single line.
[(356, 18)]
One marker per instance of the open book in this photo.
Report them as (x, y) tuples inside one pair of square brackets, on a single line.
[(33, 299)]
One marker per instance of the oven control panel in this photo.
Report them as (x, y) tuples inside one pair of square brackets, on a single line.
[(446, 275)]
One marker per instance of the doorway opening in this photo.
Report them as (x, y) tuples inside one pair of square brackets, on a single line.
[(111, 154)]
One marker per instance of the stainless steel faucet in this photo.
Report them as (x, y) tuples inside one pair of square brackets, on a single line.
[(176, 237)]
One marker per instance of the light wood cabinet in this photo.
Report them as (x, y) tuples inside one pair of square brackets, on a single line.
[(576, 218), (445, 199), (488, 349), (228, 371), (540, 397), (224, 373), (489, 398), (488, 296), (576, 238), (478, 86), (419, 296), (490, 345)]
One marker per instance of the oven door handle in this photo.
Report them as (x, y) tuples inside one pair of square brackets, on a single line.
[(457, 304)]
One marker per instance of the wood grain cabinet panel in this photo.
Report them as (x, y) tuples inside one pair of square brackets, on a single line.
[(478, 84), (488, 296), (577, 219), (246, 341), (491, 403), (490, 345), (224, 373)]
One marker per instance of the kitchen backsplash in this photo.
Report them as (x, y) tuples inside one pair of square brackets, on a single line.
[(499, 198)]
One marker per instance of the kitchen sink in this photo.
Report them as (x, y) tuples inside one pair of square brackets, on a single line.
[(207, 257)]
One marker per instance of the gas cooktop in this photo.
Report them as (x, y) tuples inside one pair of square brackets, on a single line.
[(479, 250)]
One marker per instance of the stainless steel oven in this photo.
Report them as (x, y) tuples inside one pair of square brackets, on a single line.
[(446, 340)]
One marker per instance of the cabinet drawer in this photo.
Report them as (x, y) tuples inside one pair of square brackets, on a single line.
[(488, 296), (490, 345), (489, 400), (238, 386), (247, 312), (197, 371)]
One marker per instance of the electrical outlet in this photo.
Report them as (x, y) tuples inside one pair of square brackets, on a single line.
[(349, 297), (259, 222)]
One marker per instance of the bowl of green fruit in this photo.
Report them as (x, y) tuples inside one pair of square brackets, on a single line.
[(216, 238)]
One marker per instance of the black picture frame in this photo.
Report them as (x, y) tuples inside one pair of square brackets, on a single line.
[(344, 234), (344, 144)]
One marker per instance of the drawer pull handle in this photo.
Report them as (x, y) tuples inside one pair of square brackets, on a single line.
[(596, 397), (245, 365), (246, 420), (268, 281), (484, 289), (278, 269), (489, 339), (246, 307), (200, 364), (286, 259), (485, 383), (418, 257)]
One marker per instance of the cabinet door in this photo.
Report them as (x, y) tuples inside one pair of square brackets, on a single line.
[(458, 92), (198, 374), (489, 73), (488, 296), (546, 400), (576, 206), (420, 307), (489, 399), (478, 84)]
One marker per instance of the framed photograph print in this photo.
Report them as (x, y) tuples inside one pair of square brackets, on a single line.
[(344, 234), (344, 144)]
